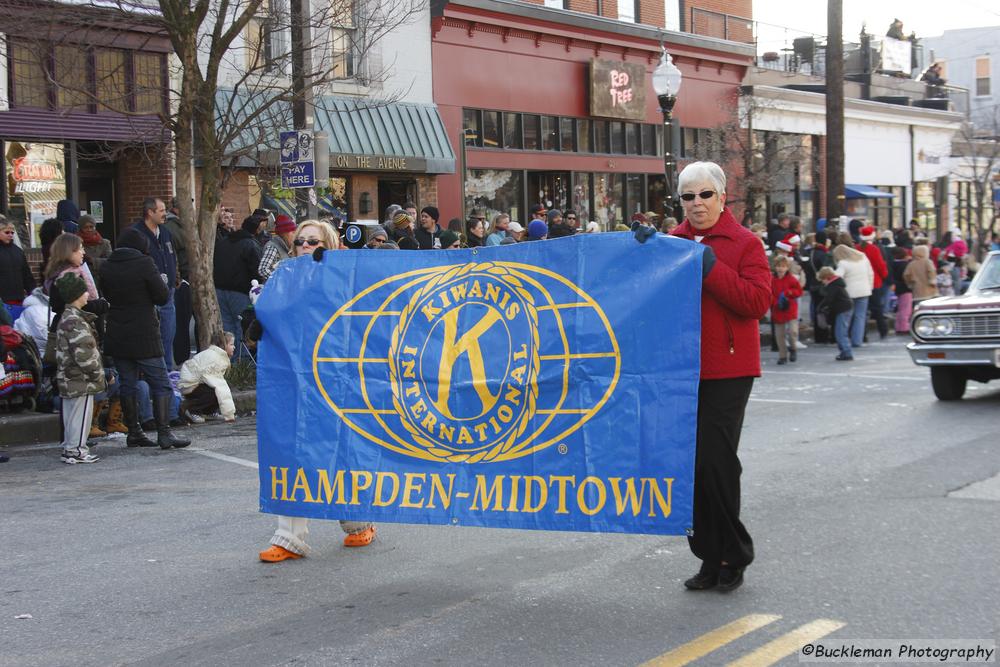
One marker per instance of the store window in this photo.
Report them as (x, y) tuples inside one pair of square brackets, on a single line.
[(601, 141), (36, 181), (649, 143), (632, 138), (491, 129), (71, 78), (583, 135), (512, 130), (532, 141), (148, 82), (109, 76), (634, 192), (566, 133), (581, 197), (618, 137), (471, 128), (496, 191), (550, 133), (656, 190), (30, 82), (609, 204)]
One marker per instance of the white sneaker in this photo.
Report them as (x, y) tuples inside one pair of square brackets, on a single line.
[(802, 346), (193, 418), (71, 458)]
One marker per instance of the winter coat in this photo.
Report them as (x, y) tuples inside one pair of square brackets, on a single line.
[(274, 253), (173, 223), (898, 271), (790, 287), (857, 273), (921, 278), (15, 275), (133, 286), (79, 371), (161, 250), (877, 261), (428, 240), (236, 260), (68, 213), (734, 296), (835, 299), (209, 367), (34, 320)]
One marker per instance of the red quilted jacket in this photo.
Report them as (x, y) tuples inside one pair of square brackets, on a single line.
[(789, 286), (874, 256), (734, 297)]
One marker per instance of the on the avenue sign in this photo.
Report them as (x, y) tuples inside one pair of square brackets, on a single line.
[(617, 89), (354, 162)]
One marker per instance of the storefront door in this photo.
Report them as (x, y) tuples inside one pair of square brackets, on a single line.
[(551, 189), (395, 192), (97, 197)]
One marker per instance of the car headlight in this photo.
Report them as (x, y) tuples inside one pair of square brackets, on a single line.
[(943, 326), (924, 327)]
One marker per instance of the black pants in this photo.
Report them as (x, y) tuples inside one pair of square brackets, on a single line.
[(202, 400), (719, 535), (876, 306), (182, 337)]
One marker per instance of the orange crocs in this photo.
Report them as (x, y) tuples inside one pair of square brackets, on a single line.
[(362, 539), (276, 554)]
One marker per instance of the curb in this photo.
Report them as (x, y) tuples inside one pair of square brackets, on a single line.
[(32, 428)]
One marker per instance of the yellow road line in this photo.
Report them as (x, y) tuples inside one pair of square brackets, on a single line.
[(711, 641), (788, 643)]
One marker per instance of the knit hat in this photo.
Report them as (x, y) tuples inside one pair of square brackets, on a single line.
[(448, 238), (867, 233), (408, 243), (283, 224), (378, 231), (133, 238), (431, 211), (70, 286), (552, 214), (401, 220), (537, 229)]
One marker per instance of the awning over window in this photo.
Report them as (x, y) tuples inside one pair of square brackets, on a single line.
[(864, 192)]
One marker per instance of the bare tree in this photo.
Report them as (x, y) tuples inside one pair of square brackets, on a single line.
[(231, 85), (976, 160)]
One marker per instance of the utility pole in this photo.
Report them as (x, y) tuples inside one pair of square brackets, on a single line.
[(834, 110), (302, 92)]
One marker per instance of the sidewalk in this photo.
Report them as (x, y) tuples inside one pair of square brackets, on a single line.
[(32, 428)]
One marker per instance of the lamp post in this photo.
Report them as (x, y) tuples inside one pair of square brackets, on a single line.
[(666, 84)]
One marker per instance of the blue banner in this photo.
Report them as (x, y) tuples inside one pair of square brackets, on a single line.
[(550, 385)]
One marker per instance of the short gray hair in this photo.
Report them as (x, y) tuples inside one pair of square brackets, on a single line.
[(701, 171)]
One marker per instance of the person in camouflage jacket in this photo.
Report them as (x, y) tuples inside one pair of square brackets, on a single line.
[(79, 371)]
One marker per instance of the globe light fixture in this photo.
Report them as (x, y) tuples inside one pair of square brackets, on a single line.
[(666, 84)]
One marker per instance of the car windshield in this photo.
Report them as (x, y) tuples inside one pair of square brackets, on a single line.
[(989, 274)]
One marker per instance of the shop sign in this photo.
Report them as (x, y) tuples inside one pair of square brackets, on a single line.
[(352, 162), (617, 89), (35, 175)]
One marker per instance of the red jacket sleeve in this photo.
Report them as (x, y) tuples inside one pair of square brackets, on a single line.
[(878, 263), (746, 288)]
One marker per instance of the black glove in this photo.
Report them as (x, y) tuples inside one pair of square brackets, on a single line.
[(98, 307), (642, 232), (707, 262), (318, 254)]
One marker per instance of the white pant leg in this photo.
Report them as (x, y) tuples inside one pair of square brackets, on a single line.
[(77, 414), (351, 527), (291, 534)]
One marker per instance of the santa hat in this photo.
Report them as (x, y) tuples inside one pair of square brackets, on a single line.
[(789, 242), (867, 233)]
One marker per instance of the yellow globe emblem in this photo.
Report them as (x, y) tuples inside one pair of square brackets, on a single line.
[(470, 363)]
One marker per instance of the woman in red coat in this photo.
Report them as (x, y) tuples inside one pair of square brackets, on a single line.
[(785, 293), (736, 293)]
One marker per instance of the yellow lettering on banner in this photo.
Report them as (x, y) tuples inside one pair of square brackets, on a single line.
[(487, 497), (430, 311), (562, 481), (279, 481), (513, 395), (410, 350), (357, 485), (446, 432), (380, 477), (476, 289), (512, 310), (543, 493), (514, 482), (413, 389), (326, 491), (418, 408), (464, 437), (409, 488), (438, 488), (429, 421), (522, 353), (481, 430), (302, 482), (655, 494), (518, 374), (492, 292), (408, 365), (458, 292), (629, 496), (581, 495)]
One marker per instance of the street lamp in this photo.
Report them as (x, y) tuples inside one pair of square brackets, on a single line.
[(666, 84)]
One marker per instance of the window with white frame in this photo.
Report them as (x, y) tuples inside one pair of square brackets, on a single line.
[(983, 76), (627, 11), (554, 4), (343, 36)]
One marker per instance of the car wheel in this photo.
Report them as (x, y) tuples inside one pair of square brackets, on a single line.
[(948, 383)]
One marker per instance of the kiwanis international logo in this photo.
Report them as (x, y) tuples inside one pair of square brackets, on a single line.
[(472, 363)]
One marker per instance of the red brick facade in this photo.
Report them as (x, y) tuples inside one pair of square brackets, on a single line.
[(141, 174)]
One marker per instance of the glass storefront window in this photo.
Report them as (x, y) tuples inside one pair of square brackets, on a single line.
[(649, 146), (583, 135), (581, 198), (491, 129), (36, 181), (600, 136), (618, 138), (512, 130), (550, 133), (531, 132), (632, 138), (566, 133), (496, 191), (609, 204), (633, 193), (472, 128), (656, 190), (549, 188)]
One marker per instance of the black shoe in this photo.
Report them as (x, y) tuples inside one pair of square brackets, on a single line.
[(792, 356), (4, 458), (161, 412), (844, 357), (782, 362), (706, 579), (130, 412), (149, 425), (730, 578)]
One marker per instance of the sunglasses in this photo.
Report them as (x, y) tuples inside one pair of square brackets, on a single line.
[(704, 194), (308, 242)]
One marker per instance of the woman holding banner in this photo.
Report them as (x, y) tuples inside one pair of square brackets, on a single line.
[(736, 293), (312, 237)]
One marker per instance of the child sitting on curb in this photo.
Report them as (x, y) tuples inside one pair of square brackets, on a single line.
[(203, 381)]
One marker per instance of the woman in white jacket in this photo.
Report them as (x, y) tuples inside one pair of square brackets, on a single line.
[(203, 380), (858, 275), (35, 319)]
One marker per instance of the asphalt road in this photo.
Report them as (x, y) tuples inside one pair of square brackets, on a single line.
[(873, 507)]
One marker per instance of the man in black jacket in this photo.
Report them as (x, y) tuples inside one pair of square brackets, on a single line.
[(237, 257), (428, 231), (161, 249), (135, 288)]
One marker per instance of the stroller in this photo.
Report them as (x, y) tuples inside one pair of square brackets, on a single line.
[(22, 365)]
